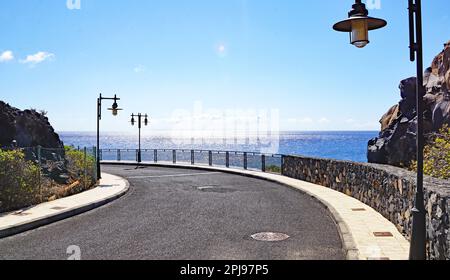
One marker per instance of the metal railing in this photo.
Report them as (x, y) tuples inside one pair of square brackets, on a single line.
[(230, 159)]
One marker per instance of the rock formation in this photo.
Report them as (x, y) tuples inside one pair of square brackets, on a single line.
[(30, 129), (396, 144)]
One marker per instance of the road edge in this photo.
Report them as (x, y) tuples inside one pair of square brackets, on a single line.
[(74, 211), (348, 242)]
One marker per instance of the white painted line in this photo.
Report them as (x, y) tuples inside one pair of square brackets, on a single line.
[(173, 175)]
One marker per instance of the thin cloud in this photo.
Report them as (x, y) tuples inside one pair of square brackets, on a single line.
[(37, 58), (6, 56)]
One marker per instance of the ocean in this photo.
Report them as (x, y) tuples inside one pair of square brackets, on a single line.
[(341, 145)]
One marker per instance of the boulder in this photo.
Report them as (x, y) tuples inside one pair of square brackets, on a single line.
[(390, 117), (396, 143)]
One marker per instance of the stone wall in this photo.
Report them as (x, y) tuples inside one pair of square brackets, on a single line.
[(387, 189)]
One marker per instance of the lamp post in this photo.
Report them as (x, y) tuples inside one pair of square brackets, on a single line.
[(358, 25), (133, 121), (115, 110)]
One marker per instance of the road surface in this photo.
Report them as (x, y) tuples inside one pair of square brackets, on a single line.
[(182, 214)]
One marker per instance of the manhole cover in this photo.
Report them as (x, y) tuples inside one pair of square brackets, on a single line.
[(270, 236)]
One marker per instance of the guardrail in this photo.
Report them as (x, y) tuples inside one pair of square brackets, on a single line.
[(231, 159)]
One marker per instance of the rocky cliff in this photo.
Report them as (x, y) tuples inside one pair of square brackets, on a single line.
[(396, 144), (29, 128)]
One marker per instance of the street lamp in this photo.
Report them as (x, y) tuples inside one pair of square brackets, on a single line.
[(133, 121), (358, 25), (115, 110)]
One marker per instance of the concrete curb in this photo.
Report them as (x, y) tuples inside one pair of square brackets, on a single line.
[(52, 218), (349, 245)]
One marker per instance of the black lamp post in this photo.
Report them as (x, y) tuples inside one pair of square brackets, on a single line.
[(115, 110), (133, 121), (358, 25)]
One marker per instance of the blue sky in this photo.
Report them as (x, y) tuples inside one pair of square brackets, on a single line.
[(163, 55)]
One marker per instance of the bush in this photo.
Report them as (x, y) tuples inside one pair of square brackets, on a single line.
[(22, 183), (18, 181), (80, 168), (273, 169), (437, 155)]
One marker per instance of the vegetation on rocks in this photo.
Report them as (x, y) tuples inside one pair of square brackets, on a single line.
[(273, 169), (18, 180), (80, 166), (437, 155), (23, 182)]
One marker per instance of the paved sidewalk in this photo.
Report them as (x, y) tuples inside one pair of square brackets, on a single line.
[(111, 187), (366, 234)]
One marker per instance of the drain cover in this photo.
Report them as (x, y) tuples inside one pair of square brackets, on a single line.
[(216, 189), (58, 208), (206, 188), (270, 236), (21, 214)]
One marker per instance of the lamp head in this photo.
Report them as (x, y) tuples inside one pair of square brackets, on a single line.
[(115, 107), (359, 24)]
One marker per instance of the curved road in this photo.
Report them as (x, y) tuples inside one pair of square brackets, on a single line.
[(188, 214)]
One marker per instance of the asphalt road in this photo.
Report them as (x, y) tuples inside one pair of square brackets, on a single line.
[(185, 214)]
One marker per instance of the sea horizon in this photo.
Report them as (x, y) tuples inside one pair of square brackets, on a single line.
[(339, 145)]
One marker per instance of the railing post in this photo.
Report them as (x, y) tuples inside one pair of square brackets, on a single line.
[(227, 159), (245, 161), (94, 153), (85, 168), (192, 157), (100, 152), (155, 156), (210, 158), (39, 173), (263, 163), (282, 164), (118, 155), (174, 156)]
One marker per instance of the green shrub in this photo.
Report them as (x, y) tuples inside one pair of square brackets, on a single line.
[(273, 169), (18, 181), (437, 155), (80, 168)]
